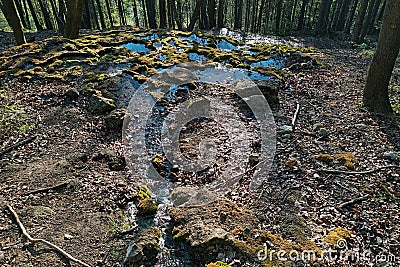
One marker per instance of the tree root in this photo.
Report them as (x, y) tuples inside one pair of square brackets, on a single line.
[(39, 240)]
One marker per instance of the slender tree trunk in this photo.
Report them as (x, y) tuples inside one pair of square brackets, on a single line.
[(38, 26), (86, 23), (74, 18), (300, 25), (350, 18), (163, 14), (260, 15), (21, 13), (101, 14), (27, 15), (360, 19), (278, 16), (143, 4), (323, 17), (10, 13), (369, 22), (221, 15), (121, 11), (195, 16), (376, 96), (342, 16), (151, 13), (109, 12), (46, 15), (204, 25), (211, 14), (135, 14)]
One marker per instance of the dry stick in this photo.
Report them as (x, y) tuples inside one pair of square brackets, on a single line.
[(46, 189), (14, 146), (353, 201), (295, 115), (363, 172), (39, 240)]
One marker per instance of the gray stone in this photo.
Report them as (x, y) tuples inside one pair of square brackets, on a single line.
[(317, 126), (285, 129), (1, 256), (100, 105), (144, 248), (115, 119), (323, 132)]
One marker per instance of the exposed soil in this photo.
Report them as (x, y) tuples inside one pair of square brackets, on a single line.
[(299, 200)]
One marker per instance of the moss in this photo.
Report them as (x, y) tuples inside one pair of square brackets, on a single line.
[(143, 192), (218, 264), (337, 234), (147, 207), (347, 159), (324, 158)]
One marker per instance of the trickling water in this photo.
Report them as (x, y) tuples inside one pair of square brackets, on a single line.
[(226, 46), (139, 48), (277, 62)]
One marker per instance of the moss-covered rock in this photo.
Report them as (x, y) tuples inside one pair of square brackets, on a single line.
[(100, 105)]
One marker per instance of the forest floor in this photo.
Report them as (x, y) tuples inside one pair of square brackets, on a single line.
[(300, 202)]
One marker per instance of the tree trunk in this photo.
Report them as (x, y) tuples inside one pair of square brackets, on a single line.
[(221, 15), (86, 22), (109, 13), (323, 17), (21, 13), (101, 14), (163, 15), (46, 15), (121, 12), (151, 13), (211, 14), (38, 26), (360, 19), (10, 13), (204, 25), (135, 14), (278, 17), (376, 97), (342, 16), (27, 16), (300, 25), (350, 19), (369, 22), (74, 18)]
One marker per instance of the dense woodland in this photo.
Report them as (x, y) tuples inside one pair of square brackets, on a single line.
[(356, 17)]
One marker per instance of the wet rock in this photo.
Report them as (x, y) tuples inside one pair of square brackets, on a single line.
[(317, 126), (100, 105), (115, 119), (144, 248), (393, 156), (270, 90)]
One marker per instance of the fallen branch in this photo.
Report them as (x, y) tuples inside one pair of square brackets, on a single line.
[(353, 201), (39, 240), (361, 172), (18, 144), (46, 189), (295, 115)]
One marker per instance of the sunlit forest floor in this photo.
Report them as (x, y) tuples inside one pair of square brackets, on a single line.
[(70, 184)]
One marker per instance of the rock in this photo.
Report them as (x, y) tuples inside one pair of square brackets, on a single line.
[(323, 132), (285, 129), (147, 207), (100, 105), (326, 158), (270, 91), (1, 256), (317, 126), (221, 227), (68, 237), (115, 119), (71, 95), (144, 248), (38, 211), (393, 156)]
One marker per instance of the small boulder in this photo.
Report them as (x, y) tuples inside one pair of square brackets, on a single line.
[(71, 95), (144, 248), (115, 119), (285, 129), (100, 105), (393, 156), (270, 91)]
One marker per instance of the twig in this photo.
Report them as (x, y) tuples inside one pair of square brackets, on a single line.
[(39, 240), (46, 189), (295, 115), (363, 172), (351, 202), (18, 144)]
